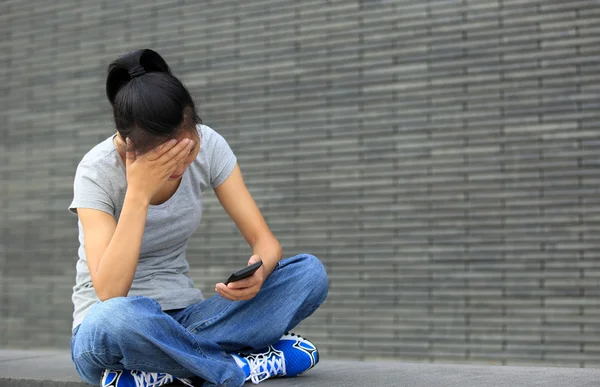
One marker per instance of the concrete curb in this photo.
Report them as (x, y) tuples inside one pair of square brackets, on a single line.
[(55, 369)]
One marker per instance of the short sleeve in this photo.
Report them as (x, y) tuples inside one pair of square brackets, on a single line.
[(90, 190), (222, 159)]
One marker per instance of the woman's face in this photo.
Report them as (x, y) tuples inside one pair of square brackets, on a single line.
[(180, 169)]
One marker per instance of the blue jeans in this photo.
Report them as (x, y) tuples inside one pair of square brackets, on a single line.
[(134, 333)]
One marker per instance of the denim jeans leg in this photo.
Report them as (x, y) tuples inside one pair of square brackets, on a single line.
[(133, 333), (293, 291)]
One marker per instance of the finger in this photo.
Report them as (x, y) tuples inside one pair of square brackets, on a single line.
[(237, 294), (246, 294), (160, 150), (243, 283), (224, 292), (226, 296), (253, 259), (256, 279), (171, 165), (220, 293), (221, 287), (129, 152), (177, 153)]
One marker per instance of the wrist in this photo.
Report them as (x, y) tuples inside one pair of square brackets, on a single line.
[(136, 197), (269, 262)]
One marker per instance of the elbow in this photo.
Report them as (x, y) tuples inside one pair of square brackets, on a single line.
[(105, 293), (105, 296), (277, 247), (107, 287)]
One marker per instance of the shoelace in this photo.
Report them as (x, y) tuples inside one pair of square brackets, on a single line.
[(186, 381), (151, 379), (259, 365)]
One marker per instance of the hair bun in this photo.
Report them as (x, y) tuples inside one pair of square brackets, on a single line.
[(150, 105), (153, 62), (136, 71), (131, 65)]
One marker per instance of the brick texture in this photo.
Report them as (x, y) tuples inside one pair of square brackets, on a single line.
[(441, 157)]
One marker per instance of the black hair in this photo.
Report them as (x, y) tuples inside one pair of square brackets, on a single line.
[(150, 105)]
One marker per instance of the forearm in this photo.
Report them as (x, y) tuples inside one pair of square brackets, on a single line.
[(116, 270), (269, 251)]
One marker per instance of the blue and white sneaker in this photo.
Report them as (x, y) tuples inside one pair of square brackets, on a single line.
[(291, 356), (126, 378)]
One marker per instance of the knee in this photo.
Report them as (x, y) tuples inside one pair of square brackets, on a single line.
[(314, 276), (117, 316)]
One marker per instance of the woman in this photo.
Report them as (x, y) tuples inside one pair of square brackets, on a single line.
[(138, 320)]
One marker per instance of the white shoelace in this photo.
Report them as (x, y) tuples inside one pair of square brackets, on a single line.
[(151, 379), (186, 381), (260, 364)]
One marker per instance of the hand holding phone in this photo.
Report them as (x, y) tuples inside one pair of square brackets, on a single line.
[(244, 284), (244, 273)]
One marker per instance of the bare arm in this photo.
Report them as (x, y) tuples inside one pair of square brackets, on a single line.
[(112, 249), (242, 209), (239, 204)]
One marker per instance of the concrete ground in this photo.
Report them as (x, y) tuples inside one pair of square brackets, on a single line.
[(55, 369)]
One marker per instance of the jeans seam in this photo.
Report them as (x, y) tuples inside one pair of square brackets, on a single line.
[(193, 328), (152, 365), (286, 262), (88, 352)]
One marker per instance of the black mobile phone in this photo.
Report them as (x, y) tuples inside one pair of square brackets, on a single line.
[(244, 273)]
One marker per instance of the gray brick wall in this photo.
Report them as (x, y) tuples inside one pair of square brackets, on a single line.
[(441, 157)]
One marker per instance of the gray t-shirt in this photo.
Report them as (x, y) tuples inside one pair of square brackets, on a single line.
[(100, 183)]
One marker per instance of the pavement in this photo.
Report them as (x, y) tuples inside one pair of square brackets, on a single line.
[(55, 369)]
